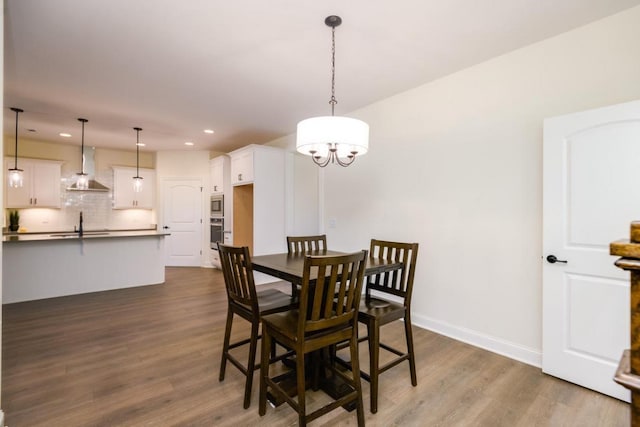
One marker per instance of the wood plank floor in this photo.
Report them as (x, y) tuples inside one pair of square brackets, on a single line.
[(150, 356)]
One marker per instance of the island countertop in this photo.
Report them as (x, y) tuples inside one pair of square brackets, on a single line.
[(71, 235)]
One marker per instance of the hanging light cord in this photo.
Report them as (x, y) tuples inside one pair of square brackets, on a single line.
[(83, 122), (333, 100), (15, 164), (137, 152)]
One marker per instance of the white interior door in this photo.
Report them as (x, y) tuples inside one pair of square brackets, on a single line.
[(591, 194), (182, 214)]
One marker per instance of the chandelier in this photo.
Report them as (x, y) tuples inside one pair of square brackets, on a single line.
[(332, 139)]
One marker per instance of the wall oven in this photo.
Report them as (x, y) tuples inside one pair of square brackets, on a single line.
[(217, 232), (217, 206)]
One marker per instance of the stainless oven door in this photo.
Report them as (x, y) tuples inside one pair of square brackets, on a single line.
[(217, 232)]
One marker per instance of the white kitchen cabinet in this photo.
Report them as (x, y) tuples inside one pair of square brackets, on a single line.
[(259, 208), (41, 188), (217, 171), (242, 161), (123, 195)]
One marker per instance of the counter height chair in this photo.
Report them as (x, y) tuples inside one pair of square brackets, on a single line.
[(311, 245), (306, 244), (376, 311), (249, 304), (323, 319)]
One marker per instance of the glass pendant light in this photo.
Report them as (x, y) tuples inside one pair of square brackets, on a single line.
[(82, 182), (137, 180), (16, 176)]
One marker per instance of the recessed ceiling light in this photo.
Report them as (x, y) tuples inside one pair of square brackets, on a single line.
[(141, 144), (188, 143), (65, 135), (208, 131)]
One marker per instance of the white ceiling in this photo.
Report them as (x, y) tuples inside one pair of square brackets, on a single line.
[(249, 69)]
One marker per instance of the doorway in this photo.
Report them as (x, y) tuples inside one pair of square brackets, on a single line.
[(182, 217), (590, 196)]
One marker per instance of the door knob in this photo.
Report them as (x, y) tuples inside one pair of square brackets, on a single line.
[(166, 227), (552, 259)]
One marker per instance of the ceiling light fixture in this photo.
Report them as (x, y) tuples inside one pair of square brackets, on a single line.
[(332, 139), (188, 143), (16, 176), (65, 135), (82, 182), (137, 180), (209, 131)]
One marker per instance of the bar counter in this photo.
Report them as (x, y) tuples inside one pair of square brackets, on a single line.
[(47, 265)]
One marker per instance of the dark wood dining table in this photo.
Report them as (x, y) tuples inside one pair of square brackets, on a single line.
[(290, 267)]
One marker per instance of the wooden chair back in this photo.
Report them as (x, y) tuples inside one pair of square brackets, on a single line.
[(332, 303), (398, 282), (306, 244), (238, 276)]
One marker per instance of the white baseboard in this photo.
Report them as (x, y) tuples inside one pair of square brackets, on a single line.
[(509, 349)]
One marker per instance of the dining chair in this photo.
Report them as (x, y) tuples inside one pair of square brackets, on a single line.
[(306, 244), (376, 311), (249, 304), (327, 315), (303, 245)]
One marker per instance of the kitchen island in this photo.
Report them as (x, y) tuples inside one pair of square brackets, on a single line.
[(46, 265)]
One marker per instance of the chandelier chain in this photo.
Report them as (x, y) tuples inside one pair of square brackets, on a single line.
[(333, 100)]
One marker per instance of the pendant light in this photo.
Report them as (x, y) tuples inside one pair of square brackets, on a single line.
[(332, 139), (16, 176), (137, 180), (82, 182)]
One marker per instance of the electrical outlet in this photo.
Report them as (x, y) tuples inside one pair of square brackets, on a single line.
[(332, 223)]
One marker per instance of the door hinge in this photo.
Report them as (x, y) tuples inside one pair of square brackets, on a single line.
[(200, 252), (201, 189)]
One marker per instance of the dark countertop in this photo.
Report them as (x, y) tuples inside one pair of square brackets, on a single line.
[(70, 235)]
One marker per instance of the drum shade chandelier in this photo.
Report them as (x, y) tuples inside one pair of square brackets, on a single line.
[(332, 139), (82, 180), (16, 176), (137, 180)]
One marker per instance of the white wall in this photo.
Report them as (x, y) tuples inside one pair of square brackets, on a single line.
[(456, 165)]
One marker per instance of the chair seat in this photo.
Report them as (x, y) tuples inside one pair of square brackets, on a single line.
[(385, 310), (273, 299)]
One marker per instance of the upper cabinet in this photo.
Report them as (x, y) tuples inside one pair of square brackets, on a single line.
[(123, 195), (41, 187), (217, 170), (242, 165)]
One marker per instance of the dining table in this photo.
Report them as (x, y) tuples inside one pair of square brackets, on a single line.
[(290, 267)]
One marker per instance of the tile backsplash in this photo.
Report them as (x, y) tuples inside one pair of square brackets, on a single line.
[(96, 208)]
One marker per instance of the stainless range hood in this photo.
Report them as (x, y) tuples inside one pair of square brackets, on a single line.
[(90, 169)]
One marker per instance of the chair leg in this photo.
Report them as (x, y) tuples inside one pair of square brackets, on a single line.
[(412, 359), (373, 331), (301, 386), (251, 364), (355, 369), (264, 370), (225, 345)]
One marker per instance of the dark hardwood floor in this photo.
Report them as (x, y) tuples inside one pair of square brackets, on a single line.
[(150, 356)]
